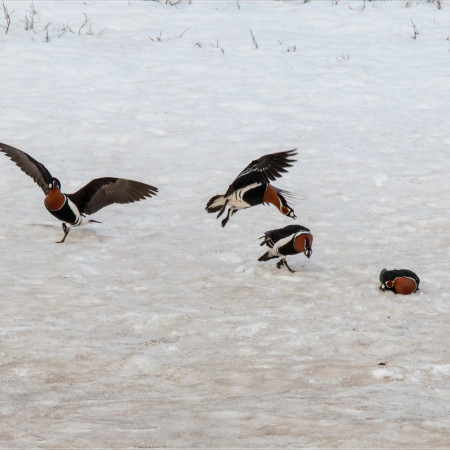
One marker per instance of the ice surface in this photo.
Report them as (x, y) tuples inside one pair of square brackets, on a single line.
[(159, 328)]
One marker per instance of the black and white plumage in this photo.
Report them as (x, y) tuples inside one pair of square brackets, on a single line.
[(71, 208), (289, 240), (252, 187)]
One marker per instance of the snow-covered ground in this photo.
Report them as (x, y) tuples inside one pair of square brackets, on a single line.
[(159, 328)]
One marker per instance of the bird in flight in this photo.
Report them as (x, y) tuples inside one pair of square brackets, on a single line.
[(252, 187)]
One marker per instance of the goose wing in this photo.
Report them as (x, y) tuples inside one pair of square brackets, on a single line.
[(265, 169), (29, 165), (273, 236), (102, 192)]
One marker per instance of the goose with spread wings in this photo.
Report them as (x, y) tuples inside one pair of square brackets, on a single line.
[(252, 187), (72, 208)]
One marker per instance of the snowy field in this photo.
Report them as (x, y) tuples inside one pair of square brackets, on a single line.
[(159, 328)]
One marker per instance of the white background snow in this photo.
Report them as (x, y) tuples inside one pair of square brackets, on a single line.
[(159, 328)]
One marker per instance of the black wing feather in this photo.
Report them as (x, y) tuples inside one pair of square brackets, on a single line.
[(265, 169), (281, 233), (29, 165), (102, 192)]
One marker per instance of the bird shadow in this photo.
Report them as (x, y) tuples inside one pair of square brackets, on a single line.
[(75, 234)]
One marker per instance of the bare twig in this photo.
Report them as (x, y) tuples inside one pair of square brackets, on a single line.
[(84, 23), (157, 38), (82, 30), (66, 28), (7, 15), (30, 17), (160, 39), (343, 56), (292, 48), (219, 47), (181, 35), (253, 39), (414, 30), (90, 31), (46, 32)]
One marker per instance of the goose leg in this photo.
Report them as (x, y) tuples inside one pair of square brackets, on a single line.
[(66, 230), (222, 209), (282, 262), (287, 265), (224, 221)]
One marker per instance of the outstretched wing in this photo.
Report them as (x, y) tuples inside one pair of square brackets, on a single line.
[(29, 165), (266, 169), (102, 192)]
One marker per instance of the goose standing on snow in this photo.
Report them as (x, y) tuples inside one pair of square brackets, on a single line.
[(71, 208), (289, 240)]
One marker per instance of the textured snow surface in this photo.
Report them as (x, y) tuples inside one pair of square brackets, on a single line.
[(159, 328)]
